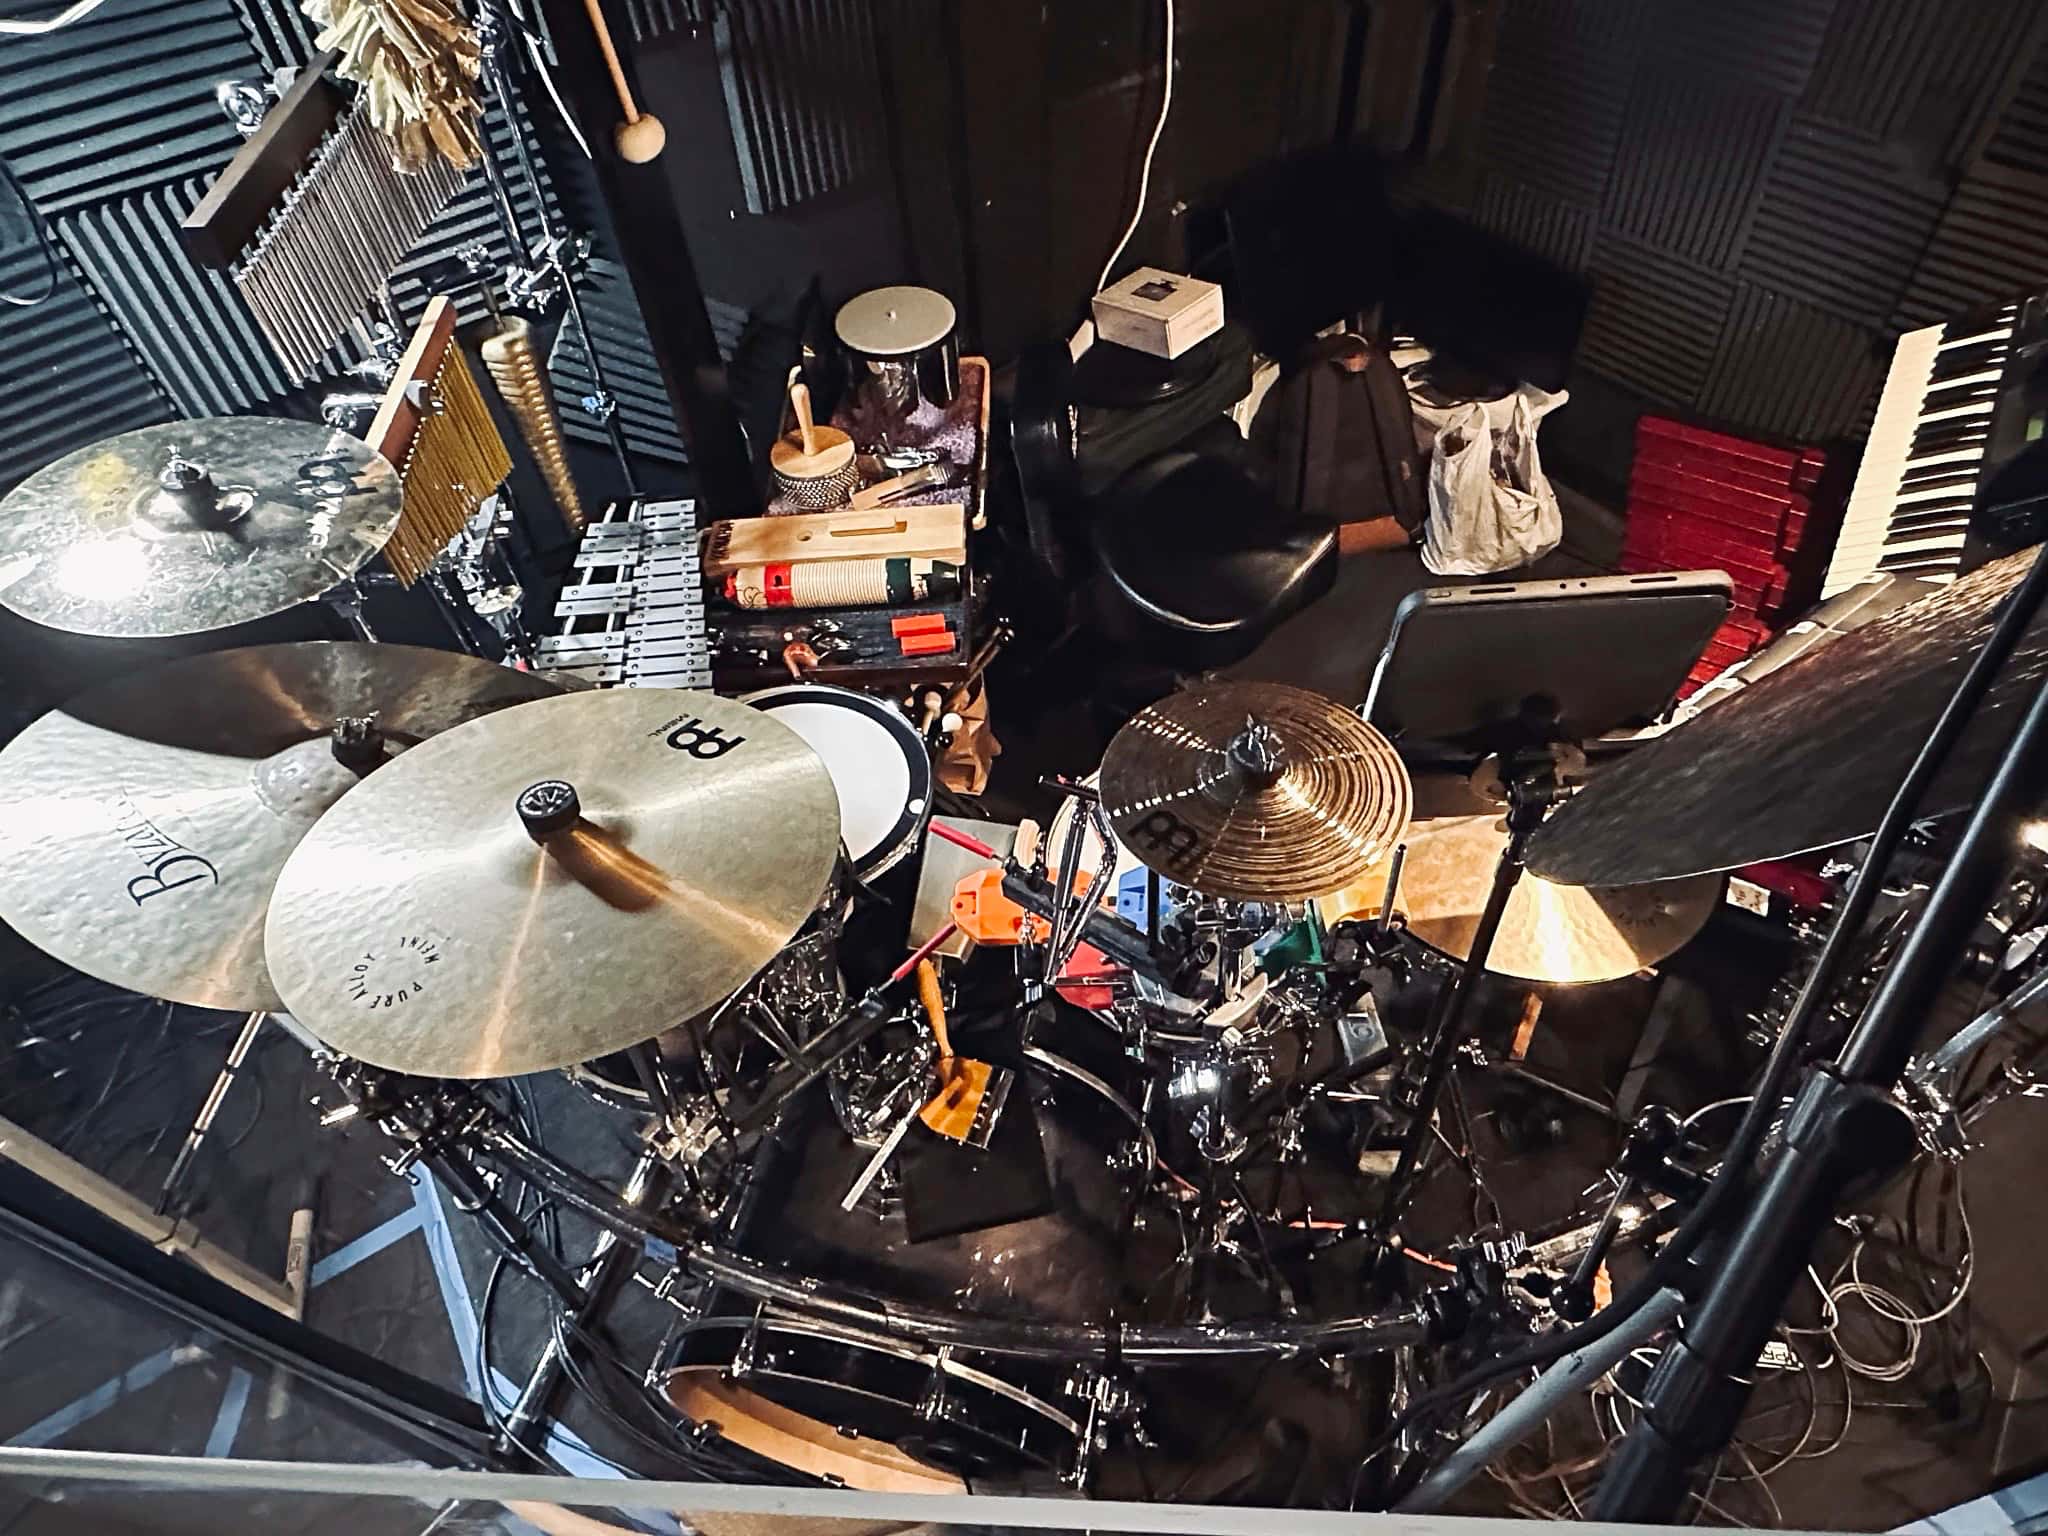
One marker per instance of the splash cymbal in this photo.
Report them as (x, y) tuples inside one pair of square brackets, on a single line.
[(553, 883), (193, 525), (1549, 933), (143, 824), (1808, 756), (1254, 791)]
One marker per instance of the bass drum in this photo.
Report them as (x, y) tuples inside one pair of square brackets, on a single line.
[(878, 763), (870, 1412)]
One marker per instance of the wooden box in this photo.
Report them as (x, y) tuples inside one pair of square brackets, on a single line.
[(1159, 313)]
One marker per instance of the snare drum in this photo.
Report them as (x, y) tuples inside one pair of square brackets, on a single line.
[(878, 763)]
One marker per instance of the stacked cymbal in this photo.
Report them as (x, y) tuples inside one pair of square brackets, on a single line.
[(1253, 791), (143, 825)]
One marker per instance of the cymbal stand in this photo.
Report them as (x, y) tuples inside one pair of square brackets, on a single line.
[(348, 601), (493, 26), (654, 1081), (202, 1123), (1531, 787), (611, 1266), (1844, 1126), (359, 746)]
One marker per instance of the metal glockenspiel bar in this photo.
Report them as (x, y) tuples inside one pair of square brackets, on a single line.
[(634, 614)]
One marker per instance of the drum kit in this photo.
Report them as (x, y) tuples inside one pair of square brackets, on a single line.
[(445, 874)]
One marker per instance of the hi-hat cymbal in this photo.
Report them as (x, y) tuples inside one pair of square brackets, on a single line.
[(193, 525), (1806, 757), (1549, 933), (143, 824), (1254, 791), (679, 840)]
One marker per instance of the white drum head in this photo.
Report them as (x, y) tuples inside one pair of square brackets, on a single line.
[(877, 762)]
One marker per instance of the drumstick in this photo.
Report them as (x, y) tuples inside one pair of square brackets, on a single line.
[(935, 1010), (923, 951), (960, 839)]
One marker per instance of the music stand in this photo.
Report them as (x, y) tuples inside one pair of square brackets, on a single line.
[(1519, 670), (1462, 665)]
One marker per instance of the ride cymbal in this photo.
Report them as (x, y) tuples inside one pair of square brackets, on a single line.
[(1807, 756), (1549, 933), (193, 525), (142, 825), (553, 883), (1254, 791)]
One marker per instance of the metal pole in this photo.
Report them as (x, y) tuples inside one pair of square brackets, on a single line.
[(1843, 1125), (607, 409), (491, 26), (1524, 815), (655, 251), (202, 1123), (1537, 1401), (613, 1262)]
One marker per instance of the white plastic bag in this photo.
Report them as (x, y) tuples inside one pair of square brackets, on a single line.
[(1490, 506)]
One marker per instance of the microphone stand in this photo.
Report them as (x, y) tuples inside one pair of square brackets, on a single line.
[(1529, 774), (1844, 1126)]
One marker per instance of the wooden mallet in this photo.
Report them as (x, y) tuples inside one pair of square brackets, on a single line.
[(640, 137)]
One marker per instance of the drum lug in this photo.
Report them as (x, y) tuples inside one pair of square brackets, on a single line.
[(934, 1404), (744, 1357)]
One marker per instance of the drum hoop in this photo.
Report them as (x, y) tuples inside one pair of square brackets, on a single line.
[(775, 1320), (782, 1434), (902, 837)]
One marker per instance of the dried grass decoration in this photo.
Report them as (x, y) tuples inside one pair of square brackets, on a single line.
[(417, 61)]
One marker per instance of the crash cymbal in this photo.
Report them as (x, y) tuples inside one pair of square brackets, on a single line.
[(143, 824), (679, 840), (1806, 757), (1254, 791), (193, 525), (1549, 933)]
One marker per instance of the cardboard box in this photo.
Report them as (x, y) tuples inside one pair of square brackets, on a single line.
[(1160, 313)]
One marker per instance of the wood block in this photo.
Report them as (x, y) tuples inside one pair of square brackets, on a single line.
[(934, 532)]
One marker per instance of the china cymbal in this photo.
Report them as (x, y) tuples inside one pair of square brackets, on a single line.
[(1254, 791), (1549, 933), (1806, 757), (193, 525), (679, 840), (143, 824)]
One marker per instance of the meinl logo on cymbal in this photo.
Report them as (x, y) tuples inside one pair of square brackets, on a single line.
[(690, 734)]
